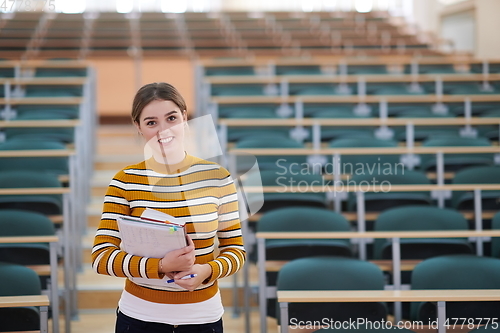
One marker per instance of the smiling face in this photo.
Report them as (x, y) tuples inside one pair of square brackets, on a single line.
[(161, 123)]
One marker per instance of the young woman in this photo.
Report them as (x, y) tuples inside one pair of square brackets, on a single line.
[(201, 193)]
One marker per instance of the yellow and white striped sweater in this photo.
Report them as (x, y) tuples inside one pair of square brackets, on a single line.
[(198, 191)]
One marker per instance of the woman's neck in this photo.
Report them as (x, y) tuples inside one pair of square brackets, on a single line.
[(171, 159)]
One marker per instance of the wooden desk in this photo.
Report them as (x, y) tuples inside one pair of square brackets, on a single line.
[(54, 286), (439, 296), (44, 64), (39, 123), (376, 189), (431, 98), (69, 240), (42, 101), (37, 153), (56, 81), (368, 78), (41, 301), (36, 190), (395, 237), (461, 121), (335, 60), (366, 150), (372, 216)]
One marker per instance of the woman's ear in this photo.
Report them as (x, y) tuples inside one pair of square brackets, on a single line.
[(136, 124), (184, 115)]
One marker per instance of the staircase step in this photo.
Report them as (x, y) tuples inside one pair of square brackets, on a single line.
[(116, 162)]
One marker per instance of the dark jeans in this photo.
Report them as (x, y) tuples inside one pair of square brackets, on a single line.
[(130, 325)]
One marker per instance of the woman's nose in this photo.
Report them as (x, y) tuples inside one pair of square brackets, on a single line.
[(164, 127)]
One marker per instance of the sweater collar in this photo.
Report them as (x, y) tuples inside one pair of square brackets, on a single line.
[(170, 168)]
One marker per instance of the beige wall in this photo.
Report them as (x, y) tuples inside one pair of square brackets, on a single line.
[(488, 27), (430, 15), (426, 14), (116, 81)]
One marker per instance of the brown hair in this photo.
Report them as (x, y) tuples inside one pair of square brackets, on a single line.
[(159, 91)]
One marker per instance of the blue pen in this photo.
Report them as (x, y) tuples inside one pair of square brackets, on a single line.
[(190, 276)]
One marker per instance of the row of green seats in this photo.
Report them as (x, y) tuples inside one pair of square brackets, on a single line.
[(350, 69), (304, 89)]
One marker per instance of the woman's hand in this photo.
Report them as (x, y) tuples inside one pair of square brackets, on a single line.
[(202, 271), (178, 260)]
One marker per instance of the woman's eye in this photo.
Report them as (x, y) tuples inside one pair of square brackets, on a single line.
[(151, 123), (172, 118)]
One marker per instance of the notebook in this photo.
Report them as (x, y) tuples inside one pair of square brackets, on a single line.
[(152, 235)]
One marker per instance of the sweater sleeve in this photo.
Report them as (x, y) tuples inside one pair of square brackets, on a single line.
[(107, 257), (231, 251)]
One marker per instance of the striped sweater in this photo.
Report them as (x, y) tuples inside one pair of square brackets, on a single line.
[(198, 191)]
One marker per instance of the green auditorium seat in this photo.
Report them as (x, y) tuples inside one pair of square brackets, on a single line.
[(291, 179), (299, 219), (432, 69), (487, 327), (490, 132), (298, 70), (53, 165), (386, 200), (237, 90), (243, 133), (422, 133), (351, 163), (478, 68), (420, 218), (236, 133), (495, 241), (466, 88), (221, 71), (310, 109), (53, 91), (478, 108), (46, 204), (6, 72), (225, 111), (46, 115), (312, 89), (252, 114), (390, 89), (455, 162), (60, 134), (60, 72), (18, 280), (456, 272), (366, 69), (266, 161), (30, 112), (476, 175), (332, 273), (417, 218), (335, 132), (18, 223), (396, 109)]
